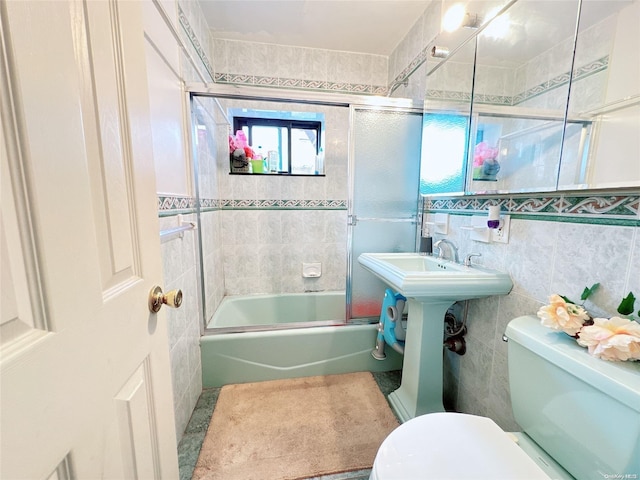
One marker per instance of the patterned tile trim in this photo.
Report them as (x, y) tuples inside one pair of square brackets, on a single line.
[(283, 204), (186, 26), (535, 91), (449, 95), (174, 205), (413, 66), (608, 209), (299, 84), (578, 74)]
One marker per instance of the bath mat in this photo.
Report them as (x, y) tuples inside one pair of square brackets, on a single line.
[(297, 428)]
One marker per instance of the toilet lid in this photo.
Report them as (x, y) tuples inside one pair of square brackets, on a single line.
[(452, 446)]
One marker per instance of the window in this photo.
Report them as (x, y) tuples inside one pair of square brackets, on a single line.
[(289, 145)]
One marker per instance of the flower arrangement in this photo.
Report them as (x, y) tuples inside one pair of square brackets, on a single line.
[(239, 146), (613, 339), (482, 153), (485, 165)]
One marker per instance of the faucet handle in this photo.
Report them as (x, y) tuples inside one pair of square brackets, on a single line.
[(467, 259)]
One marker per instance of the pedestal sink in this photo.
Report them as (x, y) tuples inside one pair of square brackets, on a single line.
[(431, 286)]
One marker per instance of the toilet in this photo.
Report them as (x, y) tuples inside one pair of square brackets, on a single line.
[(580, 418)]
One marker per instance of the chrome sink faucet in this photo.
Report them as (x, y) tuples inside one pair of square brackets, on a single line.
[(453, 250), (467, 259)]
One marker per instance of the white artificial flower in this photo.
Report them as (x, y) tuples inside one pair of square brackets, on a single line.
[(614, 339), (563, 316)]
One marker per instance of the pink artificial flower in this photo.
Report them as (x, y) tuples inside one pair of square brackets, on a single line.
[(241, 139), (483, 152)]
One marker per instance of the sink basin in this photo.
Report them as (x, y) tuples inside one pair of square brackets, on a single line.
[(430, 285), (425, 277)]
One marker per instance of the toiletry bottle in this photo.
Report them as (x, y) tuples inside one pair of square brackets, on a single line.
[(426, 245), (426, 241), (273, 161)]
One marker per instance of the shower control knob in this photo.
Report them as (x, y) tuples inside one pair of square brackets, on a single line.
[(172, 299)]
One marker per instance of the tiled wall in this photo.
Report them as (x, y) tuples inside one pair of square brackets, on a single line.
[(557, 244), (282, 66), (408, 61), (180, 271)]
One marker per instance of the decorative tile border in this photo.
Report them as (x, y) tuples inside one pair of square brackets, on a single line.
[(174, 205), (186, 26), (448, 95), (417, 61), (582, 72), (578, 74), (608, 209), (299, 84), (283, 204), (614, 208)]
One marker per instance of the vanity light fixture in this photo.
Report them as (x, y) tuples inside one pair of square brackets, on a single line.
[(457, 17), (471, 20)]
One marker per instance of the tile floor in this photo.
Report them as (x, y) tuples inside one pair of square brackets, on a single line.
[(189, 447)]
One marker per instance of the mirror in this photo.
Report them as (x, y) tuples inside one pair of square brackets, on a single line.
[(520, 94), (605, 91), (445, 125), (517, 139)]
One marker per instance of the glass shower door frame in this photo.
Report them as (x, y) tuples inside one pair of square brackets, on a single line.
[(353, 219)]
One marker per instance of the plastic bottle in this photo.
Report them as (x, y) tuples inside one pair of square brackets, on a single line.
[(273, 160)]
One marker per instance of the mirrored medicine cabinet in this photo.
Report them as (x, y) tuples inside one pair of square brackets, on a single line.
[(544, 97)]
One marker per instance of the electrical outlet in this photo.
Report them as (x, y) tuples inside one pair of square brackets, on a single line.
[(501, 235)]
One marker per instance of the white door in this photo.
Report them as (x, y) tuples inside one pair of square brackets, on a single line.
[(84, 366)]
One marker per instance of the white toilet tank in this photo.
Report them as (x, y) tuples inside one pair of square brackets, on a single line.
[(583, 411)]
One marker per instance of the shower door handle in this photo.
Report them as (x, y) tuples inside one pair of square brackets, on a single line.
[(172, 299)]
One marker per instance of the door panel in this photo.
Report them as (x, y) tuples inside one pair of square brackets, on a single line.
[(383, 213), (108, 148), (376, 236), (85, 389)]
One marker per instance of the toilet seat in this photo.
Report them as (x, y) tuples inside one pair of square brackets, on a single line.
[(452, 446)]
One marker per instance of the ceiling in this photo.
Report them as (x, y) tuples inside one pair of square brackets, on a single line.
[(364, 26)]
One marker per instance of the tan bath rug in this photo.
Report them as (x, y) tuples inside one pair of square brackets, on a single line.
[(297, 428)]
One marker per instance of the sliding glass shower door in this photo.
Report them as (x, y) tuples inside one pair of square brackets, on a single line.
[(383, 209)]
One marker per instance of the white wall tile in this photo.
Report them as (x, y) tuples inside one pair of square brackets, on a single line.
[(588, 254)]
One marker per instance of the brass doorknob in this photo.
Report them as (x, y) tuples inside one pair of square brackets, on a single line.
[(172, 299)]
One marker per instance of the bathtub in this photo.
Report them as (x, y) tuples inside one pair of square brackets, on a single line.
[(274, 345), (287, 308)]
